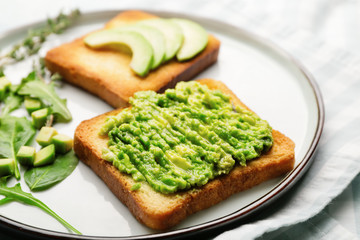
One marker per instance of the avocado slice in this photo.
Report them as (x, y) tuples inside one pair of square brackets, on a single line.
[(45, 156), (26, 155), (153, 36), (195, 39), (7, 166), (142, 52), (171, 31), (63, 143), (45, 136)]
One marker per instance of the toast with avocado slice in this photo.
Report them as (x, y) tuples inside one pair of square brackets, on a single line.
[(162, 211), (107, 73)]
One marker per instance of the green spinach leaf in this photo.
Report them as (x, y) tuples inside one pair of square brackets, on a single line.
[(46, 92), (15, 193), (41, 178), (14, 133)]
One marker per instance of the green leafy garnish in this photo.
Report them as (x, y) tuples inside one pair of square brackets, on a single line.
[(12, 99), (41, 178), (36, 37), (14, 133), (46, 92), (15, 193), (12, 102)]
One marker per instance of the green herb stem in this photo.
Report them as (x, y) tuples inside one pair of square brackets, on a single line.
[(36, 37)]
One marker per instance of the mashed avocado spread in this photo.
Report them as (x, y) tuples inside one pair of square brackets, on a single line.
[(183, 137)]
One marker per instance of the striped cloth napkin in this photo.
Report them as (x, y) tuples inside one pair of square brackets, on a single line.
[(308, 30)]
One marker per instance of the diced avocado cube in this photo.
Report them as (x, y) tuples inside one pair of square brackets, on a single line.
[(32, 104), (39, 117), (4, 86), (63, 143), (26, 155), (45, 136), (7, 167), (45, 156)]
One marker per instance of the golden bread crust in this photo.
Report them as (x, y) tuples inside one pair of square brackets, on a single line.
[(160, 211), (107, 74)]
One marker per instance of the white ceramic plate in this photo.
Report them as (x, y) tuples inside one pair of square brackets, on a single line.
[(263, 76)]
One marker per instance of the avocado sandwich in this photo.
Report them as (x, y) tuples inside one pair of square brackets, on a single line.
[(173, 154)]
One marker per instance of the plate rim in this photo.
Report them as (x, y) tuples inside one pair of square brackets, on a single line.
[(283, 186)]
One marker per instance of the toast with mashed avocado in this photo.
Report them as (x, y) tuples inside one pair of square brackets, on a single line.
[(135, 51), (173, 154)]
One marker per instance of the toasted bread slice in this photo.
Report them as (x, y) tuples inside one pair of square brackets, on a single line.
[(162, 211), (107, 74)]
